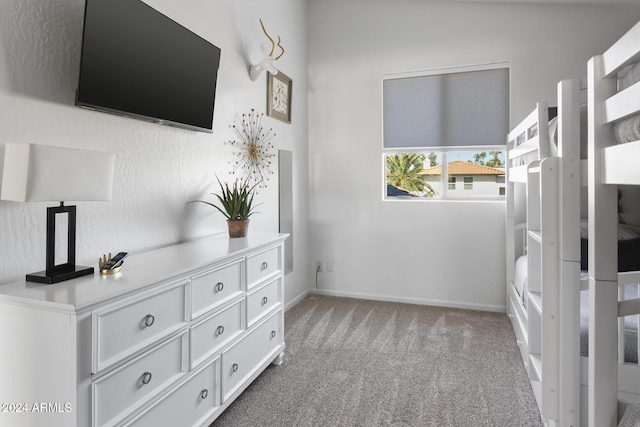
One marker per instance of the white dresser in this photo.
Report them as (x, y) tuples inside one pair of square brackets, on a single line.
[(171, 340)]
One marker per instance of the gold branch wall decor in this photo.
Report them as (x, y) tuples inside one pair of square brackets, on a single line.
[(253, 160)]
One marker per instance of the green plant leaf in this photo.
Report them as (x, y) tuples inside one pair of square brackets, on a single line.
[(236, 200)]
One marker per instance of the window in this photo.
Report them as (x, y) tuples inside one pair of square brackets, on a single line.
[(468, 183), (442, 127), (421, 174)]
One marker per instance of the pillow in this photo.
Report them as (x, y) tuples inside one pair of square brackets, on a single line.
[(553, 136), (631, 416), (553, 133)]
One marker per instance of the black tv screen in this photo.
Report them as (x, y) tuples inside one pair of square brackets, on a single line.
[(137, 62)]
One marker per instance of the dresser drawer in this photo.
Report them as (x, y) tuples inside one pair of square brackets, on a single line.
[(263, 299), (124, 328), (241, 360), (120, 392), (262, 265), (187, 406), (214, 287), (209, 335)]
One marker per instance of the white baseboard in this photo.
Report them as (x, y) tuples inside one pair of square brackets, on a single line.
[(408, 300), (296, 300)]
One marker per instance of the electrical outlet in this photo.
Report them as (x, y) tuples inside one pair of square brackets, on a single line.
[(319, 266), (329, 266)]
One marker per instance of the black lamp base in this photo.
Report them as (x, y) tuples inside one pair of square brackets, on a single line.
[(42, 277)]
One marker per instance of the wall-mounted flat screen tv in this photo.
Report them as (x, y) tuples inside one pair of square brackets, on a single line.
[(137, 62)]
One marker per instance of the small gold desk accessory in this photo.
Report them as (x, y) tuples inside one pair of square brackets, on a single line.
[(111, 265)]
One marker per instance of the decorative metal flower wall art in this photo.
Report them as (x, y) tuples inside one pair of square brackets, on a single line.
[(253, 160)]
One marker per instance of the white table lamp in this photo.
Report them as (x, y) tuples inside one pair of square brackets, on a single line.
[(42, 173)]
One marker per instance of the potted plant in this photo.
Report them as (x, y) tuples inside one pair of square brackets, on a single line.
[(237, 205)]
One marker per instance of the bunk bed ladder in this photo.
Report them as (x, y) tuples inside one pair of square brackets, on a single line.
[(543, 278), (569, 252)]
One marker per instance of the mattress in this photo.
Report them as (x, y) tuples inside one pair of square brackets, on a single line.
[(628, 247)]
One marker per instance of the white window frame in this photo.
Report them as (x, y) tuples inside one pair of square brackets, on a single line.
[(442, 151)]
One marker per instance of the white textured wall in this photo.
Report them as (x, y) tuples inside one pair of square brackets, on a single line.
[(451, 253), (158, 168)]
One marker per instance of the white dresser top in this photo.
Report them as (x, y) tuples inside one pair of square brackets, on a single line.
[(138, 271)]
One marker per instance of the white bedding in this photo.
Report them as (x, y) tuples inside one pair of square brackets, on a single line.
[(520, 279)]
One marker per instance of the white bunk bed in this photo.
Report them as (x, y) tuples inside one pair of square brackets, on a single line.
[(547, 232), (611, 163), (551, 332), (532, 248)]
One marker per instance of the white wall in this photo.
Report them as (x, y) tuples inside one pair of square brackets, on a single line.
[(158, 168), (451, 253)]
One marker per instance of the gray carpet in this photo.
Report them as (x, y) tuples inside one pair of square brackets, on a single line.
[(353, 362)]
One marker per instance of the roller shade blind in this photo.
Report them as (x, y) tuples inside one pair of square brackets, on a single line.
[(459, 109)]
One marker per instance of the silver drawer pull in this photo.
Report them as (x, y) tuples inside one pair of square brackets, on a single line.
[(264, 266), (234, 367), (273, 334), (204, 393), (220, 330), (149, 320), (146, 378), (219, 287), (265, 300)]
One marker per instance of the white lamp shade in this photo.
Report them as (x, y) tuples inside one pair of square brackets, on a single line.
[(39, 173)]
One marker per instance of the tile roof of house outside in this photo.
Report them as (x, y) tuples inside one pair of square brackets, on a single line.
[(461, 167)]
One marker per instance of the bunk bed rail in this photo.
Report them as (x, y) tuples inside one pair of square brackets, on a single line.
[(620, 160), (528, 141)]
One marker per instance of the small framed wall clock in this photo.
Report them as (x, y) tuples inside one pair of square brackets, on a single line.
[(279, 89)]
